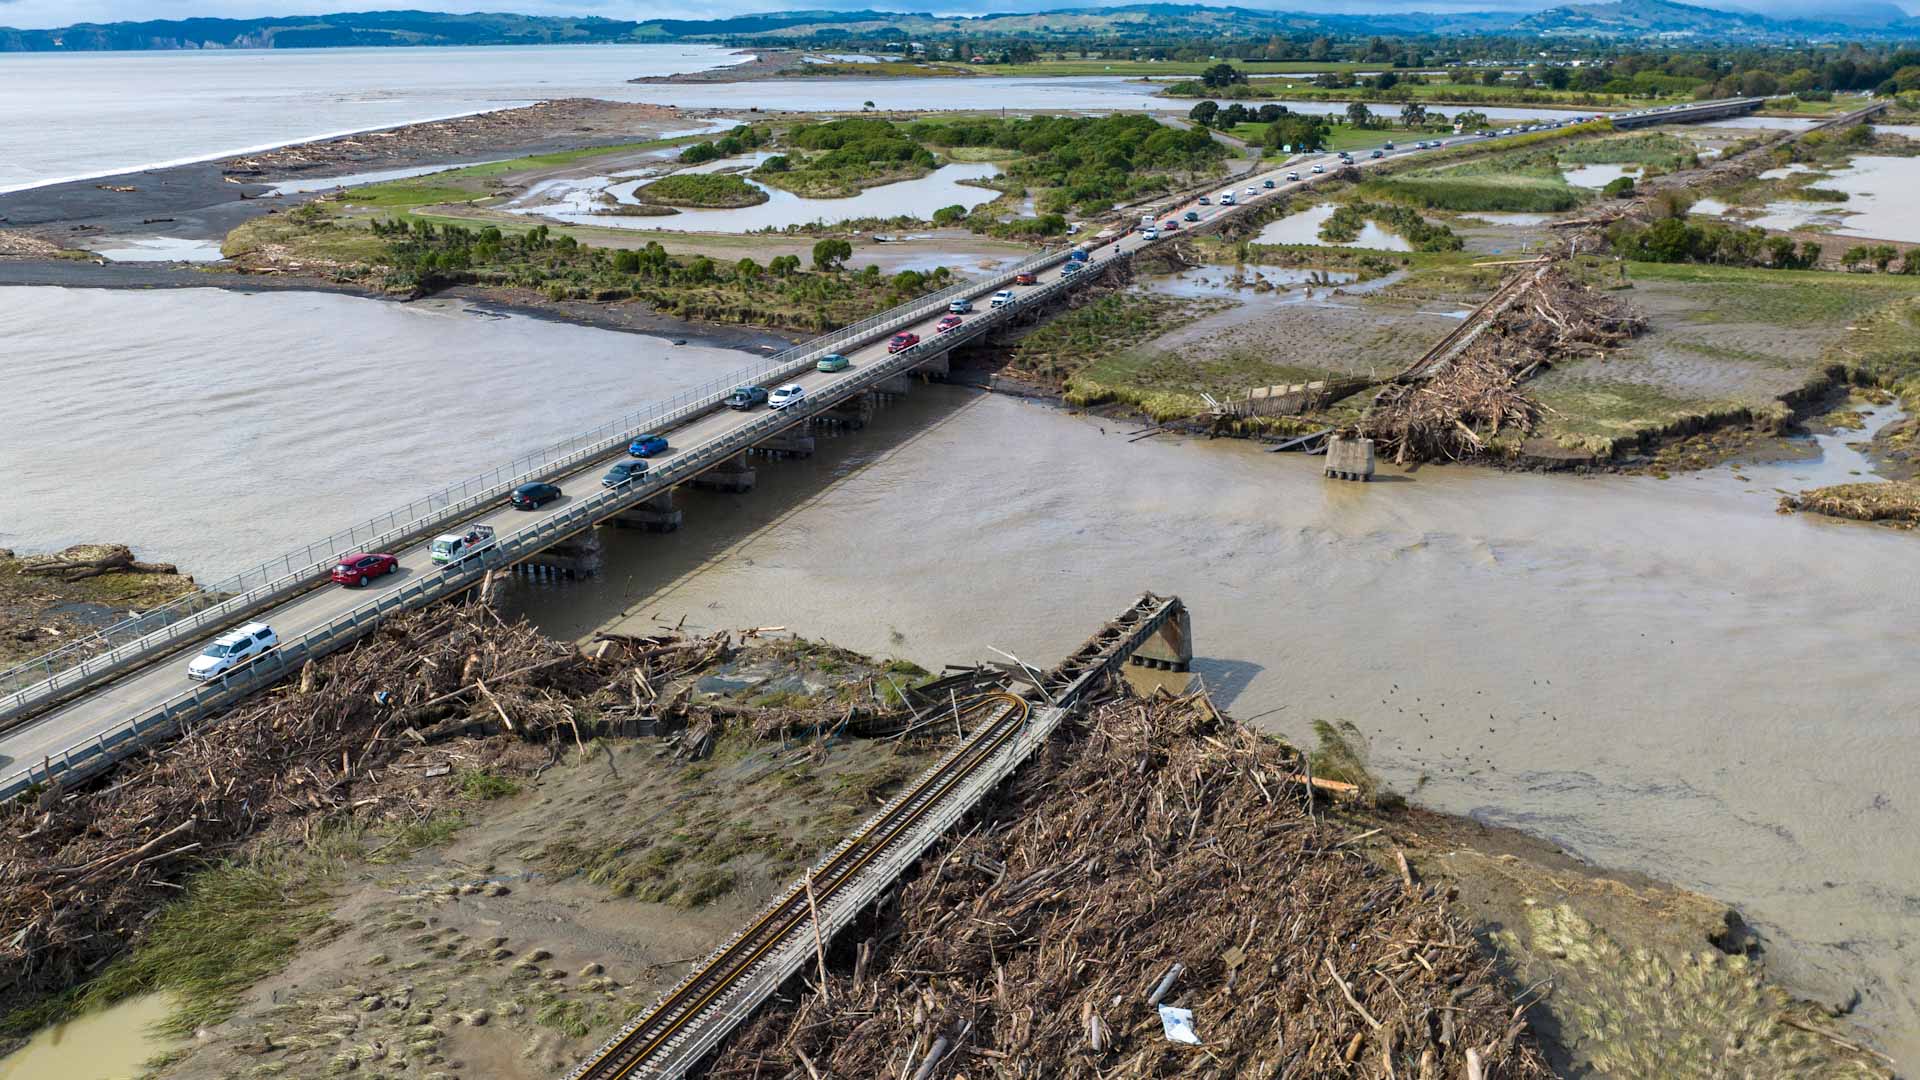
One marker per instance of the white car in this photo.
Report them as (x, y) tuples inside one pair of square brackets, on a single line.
[(230, 650), (1001, 298), (791, 394), (1319, 168), (1251, 192), (1226, 199), (1150, 234)]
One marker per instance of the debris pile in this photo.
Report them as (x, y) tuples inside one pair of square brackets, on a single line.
[(1156, 898), (1451, 415), (88, 560), (1558, 316), (353, 737), (1467, 401)]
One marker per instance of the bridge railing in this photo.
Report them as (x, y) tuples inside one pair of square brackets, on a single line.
[(114, 647), (157, 722)]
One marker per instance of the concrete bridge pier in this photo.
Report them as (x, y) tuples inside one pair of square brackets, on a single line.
[(657, 514), (937, 368), (796, 441), (734, 475), (576, 557), (1349, 457), (850, 415), (895, 385)]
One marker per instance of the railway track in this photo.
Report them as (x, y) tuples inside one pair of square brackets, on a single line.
[(652, 1041), (1474, 325)]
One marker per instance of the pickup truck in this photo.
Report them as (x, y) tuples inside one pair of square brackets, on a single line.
[(455, 546), (746, 397)]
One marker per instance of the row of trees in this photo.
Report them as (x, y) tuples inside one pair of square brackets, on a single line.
[(1090, 162)]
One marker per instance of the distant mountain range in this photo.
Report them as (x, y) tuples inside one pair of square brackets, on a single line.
[(1757, 21)]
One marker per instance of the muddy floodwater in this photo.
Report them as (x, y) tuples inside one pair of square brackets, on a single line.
[(1304, 228), (1878, 205), (111, 1044), (1666, 676), (215, 429)]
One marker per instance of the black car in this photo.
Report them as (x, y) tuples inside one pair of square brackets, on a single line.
[(533, 496), (624, 473)]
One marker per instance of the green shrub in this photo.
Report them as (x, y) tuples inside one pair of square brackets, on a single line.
[(701, 189)]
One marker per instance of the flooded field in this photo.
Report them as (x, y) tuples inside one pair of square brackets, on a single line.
[(1304, 228), (1664, 676), (945, 186), (131, 422), (1599, 176), (1878, 206)]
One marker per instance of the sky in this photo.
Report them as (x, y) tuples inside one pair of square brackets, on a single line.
[(33, 14)]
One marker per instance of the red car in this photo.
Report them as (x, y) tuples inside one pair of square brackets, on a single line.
[(948, 323), (1025, 277), (355, 569), (903, 342)]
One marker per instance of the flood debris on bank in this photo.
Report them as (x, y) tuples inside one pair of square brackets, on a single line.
[(1894, 502), (374, 740), (1472, 400), (50, 600), (1161, 858)]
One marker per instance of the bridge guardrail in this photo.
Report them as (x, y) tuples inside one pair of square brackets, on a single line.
[(87, 756), (79, 663)]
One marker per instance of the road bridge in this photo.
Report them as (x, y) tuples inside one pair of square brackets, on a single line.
[(73, 712), (692, 1018), (1690, 113)]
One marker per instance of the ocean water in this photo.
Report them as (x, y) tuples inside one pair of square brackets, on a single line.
[(67, 116)]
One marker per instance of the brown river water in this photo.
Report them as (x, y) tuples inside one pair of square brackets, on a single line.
[(1665, 676)]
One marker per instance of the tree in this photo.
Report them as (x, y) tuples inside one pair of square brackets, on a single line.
[(1557, 77), (867, 105), (1297, 130), (1386, 80), (950, 215), (1319, 50), (776, 163), (1412, 115), (1621, 187), (746, 270), (1490, 77), (1759, 84), (783, 265), (1222, 75), (1203, 113), (1470, 120), (831, 254), (1461, 76), (1359, 115), (626, 262)]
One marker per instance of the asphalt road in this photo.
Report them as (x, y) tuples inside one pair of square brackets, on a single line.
[(110, 706)]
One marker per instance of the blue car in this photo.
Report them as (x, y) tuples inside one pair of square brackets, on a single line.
[(647, 445)]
